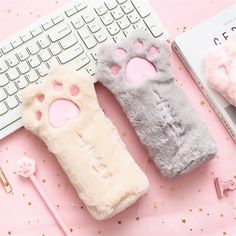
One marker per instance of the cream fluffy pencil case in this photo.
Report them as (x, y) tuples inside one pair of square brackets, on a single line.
[(138, 72), (64, 112)]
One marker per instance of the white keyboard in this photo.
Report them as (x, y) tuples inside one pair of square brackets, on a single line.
[(69, 36)]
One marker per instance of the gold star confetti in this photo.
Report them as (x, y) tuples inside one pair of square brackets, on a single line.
[(155, 205), (235, 177), (29, 203), (172, 189), (202, 102), (184, 221)]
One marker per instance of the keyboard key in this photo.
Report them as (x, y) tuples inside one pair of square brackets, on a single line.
[(87, 37), (107, 19), (3, 80), (53, 63), (7, 47), (42, 70), (11, 88), (36, 31), (55, 49), (141, 8), (80, 5), (57, 19), (100, 36), (79, 62), (47, 25), (13, 73), (155, 30), (34, 61), (127, 7), (70, 11), (3, 108), (101, 10), (68, 41), (119, 37), (33, 48), (77, 21), (94, 54), (32, 76), (23, 67), (44, 55), (94, 26), (23, 54), (111, 4), (113, 28), (117, 13), (59, 32), (70, 54), (21, 82), (12, 102), (26, 36), (3, 94), (44, 42), (140, 25), (121, 1), (129, 31), (12, 60), (16, 42), (88, 17), (3, 66), (10, 117), (123, 22), (134, 17), (91, 69)]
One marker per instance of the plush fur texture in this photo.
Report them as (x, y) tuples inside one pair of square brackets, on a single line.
[(220, 69), (88, 147), (162, 116)]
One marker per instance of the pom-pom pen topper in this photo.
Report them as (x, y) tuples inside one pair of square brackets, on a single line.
[(26, 167)]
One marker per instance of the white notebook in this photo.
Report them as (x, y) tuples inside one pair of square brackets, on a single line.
[(193, 45)]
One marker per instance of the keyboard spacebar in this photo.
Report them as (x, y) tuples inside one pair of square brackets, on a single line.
[(10, 117)]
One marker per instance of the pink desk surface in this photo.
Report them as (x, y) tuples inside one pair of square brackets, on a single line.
[(184, 206)]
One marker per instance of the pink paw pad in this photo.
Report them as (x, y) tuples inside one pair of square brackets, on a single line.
[(139, 69), (120, 52), (41, 98), (115, 69), (62, 111), (153, 52), (74, 91), (38, 115), (138, 46), (58, 86)]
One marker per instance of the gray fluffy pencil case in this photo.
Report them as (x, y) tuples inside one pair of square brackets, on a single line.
[(138, 72)]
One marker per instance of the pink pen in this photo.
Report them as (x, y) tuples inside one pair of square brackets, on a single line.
[(26, 168)]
